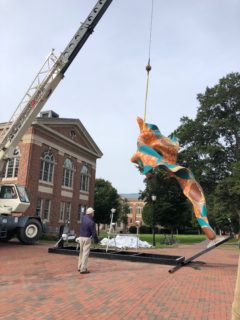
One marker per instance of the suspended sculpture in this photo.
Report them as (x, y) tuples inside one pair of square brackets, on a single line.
[(155, 150)]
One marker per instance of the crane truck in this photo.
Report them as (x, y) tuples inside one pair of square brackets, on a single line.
[(13, 198)]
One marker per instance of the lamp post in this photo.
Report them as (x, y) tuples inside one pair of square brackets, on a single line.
[(138, 226), (154, 197), (112, 225), (113, 210)]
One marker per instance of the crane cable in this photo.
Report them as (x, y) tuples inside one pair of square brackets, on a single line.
[(148, 67)]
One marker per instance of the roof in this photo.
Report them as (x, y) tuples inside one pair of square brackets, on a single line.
[(48, 122), (132, 196)]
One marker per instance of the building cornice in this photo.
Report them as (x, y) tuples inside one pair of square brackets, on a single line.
[(46, 122), (36, 139)]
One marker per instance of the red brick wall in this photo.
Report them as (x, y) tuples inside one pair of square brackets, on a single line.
[(29, 173)]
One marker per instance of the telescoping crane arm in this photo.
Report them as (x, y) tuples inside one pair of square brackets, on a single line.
[(47, 79)]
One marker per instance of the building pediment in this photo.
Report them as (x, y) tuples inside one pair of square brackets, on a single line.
[(70, 131)]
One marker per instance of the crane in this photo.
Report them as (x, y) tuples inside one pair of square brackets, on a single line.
[(13, 198)]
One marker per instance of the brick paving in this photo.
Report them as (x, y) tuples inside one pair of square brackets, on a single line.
[(37, 285)]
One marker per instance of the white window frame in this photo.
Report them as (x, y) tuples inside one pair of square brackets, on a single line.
[(42, 209), (68, 169), (65, 211), (14, 161), (46, 209), (39, 205), (139, 210), (81, 211), (62, 211), (68, 207), (84, 178), (47, 167)]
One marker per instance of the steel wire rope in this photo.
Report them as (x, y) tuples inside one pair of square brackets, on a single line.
[(148, 67)]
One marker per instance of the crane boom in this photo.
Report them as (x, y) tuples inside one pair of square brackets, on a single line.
[(47, 79)]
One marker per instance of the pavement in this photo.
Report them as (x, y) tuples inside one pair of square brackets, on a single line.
[(37, 285)]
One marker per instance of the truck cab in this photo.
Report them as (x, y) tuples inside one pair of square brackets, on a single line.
[(13, 199), (13, 203)]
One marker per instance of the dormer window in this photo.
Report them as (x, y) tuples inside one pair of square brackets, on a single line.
[(72, 134)]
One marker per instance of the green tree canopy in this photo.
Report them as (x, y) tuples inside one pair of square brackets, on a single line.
[(105, 198), (171, 208), (227, 200), (210, 147), (211, 143)]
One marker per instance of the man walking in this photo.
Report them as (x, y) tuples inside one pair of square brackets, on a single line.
[(87, 233)]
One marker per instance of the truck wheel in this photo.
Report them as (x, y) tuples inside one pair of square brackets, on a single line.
[(31, 232)]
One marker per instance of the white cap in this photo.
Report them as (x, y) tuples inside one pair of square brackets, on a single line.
[(89, 211)]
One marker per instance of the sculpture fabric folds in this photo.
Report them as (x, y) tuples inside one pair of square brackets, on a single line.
[(155, 150)]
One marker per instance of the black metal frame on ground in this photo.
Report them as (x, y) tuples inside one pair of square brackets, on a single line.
[(176, 261), (189, 260), (124, 255)]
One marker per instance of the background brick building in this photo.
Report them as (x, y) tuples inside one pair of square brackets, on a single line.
[(56, 162), (135, 208)]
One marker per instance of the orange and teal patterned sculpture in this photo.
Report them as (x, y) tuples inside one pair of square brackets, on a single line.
[(155, 150)]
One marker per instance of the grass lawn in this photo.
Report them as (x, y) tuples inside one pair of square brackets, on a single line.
[(182, 238), (162, 241)]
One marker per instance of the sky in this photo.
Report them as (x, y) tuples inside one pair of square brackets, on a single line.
[(194, 44)]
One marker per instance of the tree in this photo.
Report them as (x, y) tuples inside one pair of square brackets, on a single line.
[(123, 216), (210, 144), (105, 198), (227, 200), (171, 208)]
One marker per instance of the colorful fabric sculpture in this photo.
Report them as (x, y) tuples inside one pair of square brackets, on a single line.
[(155, 150)]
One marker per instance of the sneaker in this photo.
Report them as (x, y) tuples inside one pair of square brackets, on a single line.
[(215, 241), (84, 272)]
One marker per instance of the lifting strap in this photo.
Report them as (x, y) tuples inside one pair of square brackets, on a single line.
[(148, 67)]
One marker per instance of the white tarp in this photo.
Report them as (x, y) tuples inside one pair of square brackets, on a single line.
[(125, 241)]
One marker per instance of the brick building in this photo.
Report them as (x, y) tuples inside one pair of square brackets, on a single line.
[(56, 162), (135, 208)]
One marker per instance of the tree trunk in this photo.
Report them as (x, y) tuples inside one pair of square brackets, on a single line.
[(236, 301), (98, 227)]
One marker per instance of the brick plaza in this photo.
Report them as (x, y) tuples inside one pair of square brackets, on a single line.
[(35, 284)]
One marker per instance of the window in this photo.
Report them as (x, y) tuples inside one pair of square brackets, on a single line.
[(46, 210), (22, 194), (12, 168), (139, 210), (39, 207), (68, 211), (84, 178), (62, 209), (72, 134), (65, 212), (67, 173), (130, 210), (7, 192), (81, 211), (47, 167), (43, 209)]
